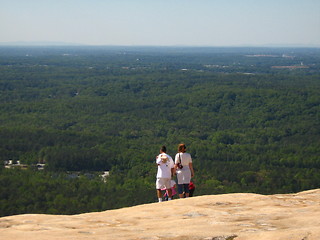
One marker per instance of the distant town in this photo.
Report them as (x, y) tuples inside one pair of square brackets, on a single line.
[(16, 164), (11, 164)]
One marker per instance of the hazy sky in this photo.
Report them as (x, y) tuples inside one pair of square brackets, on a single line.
[(162, 22)]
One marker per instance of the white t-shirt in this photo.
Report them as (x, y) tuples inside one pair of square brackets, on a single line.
[(164, 169), (185, 159)]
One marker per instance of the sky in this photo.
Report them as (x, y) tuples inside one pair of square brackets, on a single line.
[(162, 22)]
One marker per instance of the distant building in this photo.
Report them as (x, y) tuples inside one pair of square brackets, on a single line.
[(40, 166), (10, 164), (17, 164), (105, 175)]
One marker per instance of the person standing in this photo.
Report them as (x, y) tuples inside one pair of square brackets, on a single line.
[(192, 187), (165, 171), (173, 189), (184, 170)]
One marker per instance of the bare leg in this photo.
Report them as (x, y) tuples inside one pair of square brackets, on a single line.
[(170, 193), (159, 193)]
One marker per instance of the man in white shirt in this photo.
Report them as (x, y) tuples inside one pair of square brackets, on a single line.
[(165, 171)]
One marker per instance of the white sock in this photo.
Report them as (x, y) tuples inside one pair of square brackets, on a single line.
[(169, 199), (160, 199)]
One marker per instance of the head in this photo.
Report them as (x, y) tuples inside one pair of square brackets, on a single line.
[(163, 149), (182, 148)]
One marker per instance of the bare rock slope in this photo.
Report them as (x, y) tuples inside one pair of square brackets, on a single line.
[(239, 216)]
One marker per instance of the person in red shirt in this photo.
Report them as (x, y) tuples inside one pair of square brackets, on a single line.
[(192, 187)]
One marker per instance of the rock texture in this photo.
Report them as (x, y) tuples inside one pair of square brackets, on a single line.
[(239, 216)]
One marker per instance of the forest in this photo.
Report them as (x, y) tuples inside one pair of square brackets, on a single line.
[(250, 118)]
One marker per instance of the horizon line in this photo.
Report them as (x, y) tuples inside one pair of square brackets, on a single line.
[(70, 44)]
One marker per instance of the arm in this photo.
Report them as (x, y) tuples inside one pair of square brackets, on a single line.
[(176, 163), (173, 171), (172, 165), (191, 169), (158, 160)]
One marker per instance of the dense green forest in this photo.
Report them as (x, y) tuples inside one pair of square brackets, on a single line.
[(250, 118)]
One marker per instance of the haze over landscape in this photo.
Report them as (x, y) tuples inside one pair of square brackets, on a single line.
[(161, 23)]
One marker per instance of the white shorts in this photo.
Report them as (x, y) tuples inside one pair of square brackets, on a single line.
[(163, 183)]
